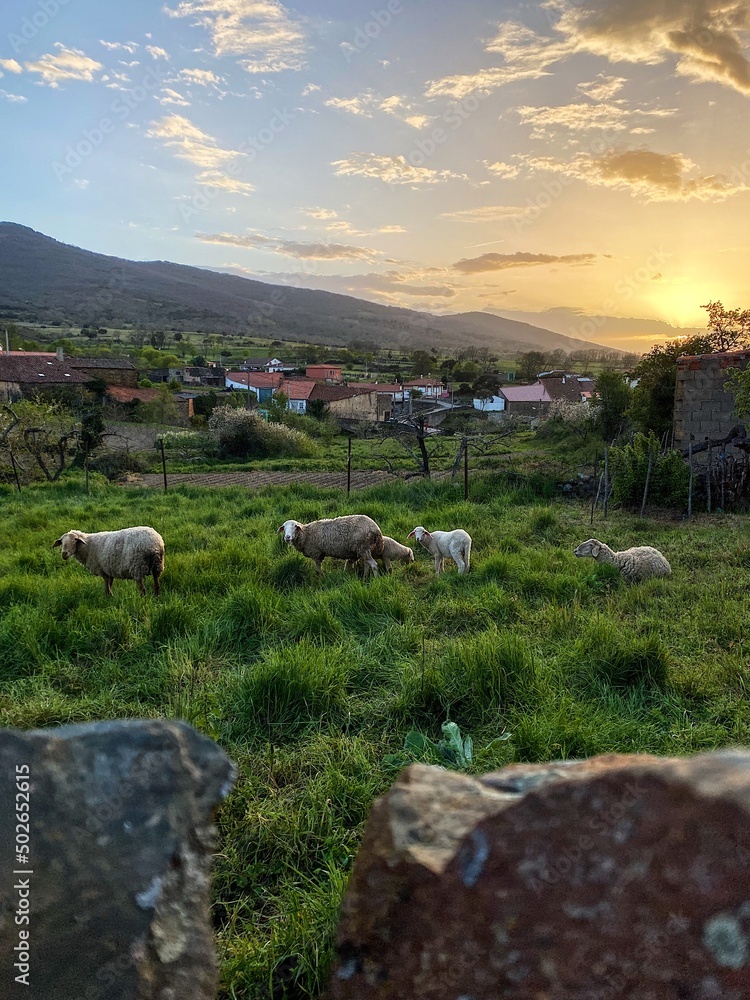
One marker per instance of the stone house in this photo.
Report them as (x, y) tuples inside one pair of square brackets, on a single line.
[(22, 373), (348, 402), (124, 400), (324, 373)]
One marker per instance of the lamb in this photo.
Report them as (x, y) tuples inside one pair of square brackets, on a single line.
[(127, 554), (393, 550), (635, 564), (455, 545), (352, 537)]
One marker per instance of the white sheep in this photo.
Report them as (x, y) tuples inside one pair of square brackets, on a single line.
[(127, 554), (455, 545), (393, 550), (352, 537), (635, 564)]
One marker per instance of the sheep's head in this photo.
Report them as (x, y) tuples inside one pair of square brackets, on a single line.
[(70, 542), (291, 530), (421, 534), (409, 557), (591, 547)]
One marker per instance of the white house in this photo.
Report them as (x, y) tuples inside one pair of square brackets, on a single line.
[(492, 405)]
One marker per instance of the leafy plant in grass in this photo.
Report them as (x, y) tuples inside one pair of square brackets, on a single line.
[(668, 483), (243, 434)]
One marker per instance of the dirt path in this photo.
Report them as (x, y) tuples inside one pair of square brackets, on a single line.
[(259, 480)]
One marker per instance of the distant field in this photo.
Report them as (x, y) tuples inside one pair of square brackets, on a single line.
[(311, 685)]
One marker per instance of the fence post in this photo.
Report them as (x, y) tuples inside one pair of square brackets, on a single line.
[(349, 466), (690, 480), (594, 493), (86, 467), (606, 478), (163, 463), (466, 468), (648, 478), (15, 471), (708, 481)]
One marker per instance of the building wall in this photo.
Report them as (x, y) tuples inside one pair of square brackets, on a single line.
[(362, 407), (112, 376), (526, 409), (10, 392), (702, 407)]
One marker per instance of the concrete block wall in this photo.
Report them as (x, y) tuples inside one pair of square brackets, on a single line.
[(703, 408)]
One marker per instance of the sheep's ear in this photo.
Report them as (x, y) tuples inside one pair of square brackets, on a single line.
[(426, 534), (411, 535), (595, 550), (280, 529), (58, 542)]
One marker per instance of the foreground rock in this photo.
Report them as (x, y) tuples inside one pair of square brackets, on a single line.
[(617, 878), (104, 885)]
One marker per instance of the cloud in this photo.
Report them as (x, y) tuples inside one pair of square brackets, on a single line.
[(704, 37), (505, 171), (321, 213), (82, 184), (262, 30), (291, 248), (368, 103), (156, 52), (11, 66), (392, 229), (484, 213), (505, 261), (580, 117), (200, 149), (645, 174), (390, 170), (65, 64), (13, 98), (130, 47), (603, 88), (202, 77), (169, 96)]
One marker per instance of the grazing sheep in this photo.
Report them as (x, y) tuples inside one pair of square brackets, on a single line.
[(393, 550), (353, 537), (635, 564), (127, 554), (455, 545)]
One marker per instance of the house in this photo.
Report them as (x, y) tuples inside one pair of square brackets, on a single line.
[(263, 384), (113, 371), (214, 377), (703, 409), (22, 374), (264, 365), (125, 399), (526, 400), (431, 388), (348, 402), (297, 392), (569, 387), (394, 390), (325, 373), (494, 404)]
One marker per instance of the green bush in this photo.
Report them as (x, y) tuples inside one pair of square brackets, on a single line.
[(114, 464), (243, 434), (668, 485)]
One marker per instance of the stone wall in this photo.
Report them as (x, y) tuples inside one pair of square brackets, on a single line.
[(702, 407)]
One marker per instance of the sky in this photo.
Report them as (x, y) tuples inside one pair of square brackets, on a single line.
[(583, 165)]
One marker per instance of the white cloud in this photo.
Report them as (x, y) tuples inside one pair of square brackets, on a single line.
[(506, 261), (156, 52), (391, 170), (292, 248), (203, 77), (202, 150), (82, 184), (603, 88), (321, 213), (484, 213), (262, 30), (310, 88), (169, 96), (505, 171), (13, 98), (11, 66), (392, 229), (130, 47), (582, 117), (367, 103), (65, 64)]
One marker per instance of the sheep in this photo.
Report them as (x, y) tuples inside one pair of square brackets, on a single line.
[(127, 554), (635, 564), (352, 537), (455, 545), (393, 550)]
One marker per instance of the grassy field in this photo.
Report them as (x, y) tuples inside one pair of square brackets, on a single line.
[(312, 685)]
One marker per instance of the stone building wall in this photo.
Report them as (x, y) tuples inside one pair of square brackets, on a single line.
[(703, 408)]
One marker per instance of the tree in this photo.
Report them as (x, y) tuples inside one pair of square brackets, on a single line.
[(485, 386), (652, 406), (729, 328), (613, 394), (421, 363), (317, 408), (40, 434), (530, 363)]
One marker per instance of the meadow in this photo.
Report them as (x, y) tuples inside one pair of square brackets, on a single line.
[(312, 685)]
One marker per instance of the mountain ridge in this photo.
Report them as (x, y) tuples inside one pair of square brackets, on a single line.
[(46, 281)]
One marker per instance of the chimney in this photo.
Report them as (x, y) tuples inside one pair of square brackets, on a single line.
[(59, 354)]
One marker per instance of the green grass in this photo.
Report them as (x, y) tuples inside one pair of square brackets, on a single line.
[(311, 683)]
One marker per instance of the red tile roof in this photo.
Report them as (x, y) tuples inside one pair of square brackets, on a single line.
[(123, 394), (297, 388), (257, 380), (331, 393)]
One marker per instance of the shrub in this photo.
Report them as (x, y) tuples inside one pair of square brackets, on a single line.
[(114, 464), (669, 473), (243, 434), (188, 444)]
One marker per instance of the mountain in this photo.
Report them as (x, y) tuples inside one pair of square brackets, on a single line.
[(44, 281)]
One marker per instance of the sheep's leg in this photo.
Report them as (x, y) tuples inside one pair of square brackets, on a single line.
[(438, 565), (319, 565), (458, 558), (108, 586), (386, 564), (141, 588), (370, 565), (156, 583)]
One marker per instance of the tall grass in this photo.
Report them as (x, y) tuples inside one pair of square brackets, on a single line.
[(310, 682)]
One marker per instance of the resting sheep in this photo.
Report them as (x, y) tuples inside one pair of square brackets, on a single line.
[(127, 554), (635, 564), (352, 537), (455, 545), (393, 550)]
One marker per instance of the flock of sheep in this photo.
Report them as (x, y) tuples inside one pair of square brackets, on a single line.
[(136, 553)]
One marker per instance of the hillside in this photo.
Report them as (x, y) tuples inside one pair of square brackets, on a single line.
[(44, 281)]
